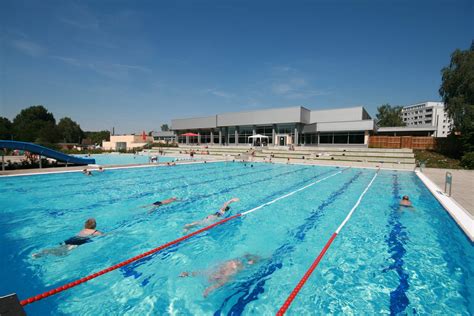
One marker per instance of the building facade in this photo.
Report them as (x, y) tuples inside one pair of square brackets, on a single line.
[(428, 114), (281, 126), (164, 137), (126, 142)]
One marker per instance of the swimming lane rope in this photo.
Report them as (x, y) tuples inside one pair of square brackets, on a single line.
[(171, 243), (313, 266)]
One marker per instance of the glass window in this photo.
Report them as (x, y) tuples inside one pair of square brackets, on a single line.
[(325, 138), (340, 138), (356, 138)]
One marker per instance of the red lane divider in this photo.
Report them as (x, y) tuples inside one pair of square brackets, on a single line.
[(305, 278), (123, 263), (308, 273)]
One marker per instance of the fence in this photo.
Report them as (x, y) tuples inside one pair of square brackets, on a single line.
[(414, 142)]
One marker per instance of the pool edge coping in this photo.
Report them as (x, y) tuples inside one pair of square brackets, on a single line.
[(457, 212), (112, 167)]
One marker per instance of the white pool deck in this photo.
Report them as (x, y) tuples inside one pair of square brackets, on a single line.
[(460, 205)]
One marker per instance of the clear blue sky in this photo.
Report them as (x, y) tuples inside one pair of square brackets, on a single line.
[(137, 64)]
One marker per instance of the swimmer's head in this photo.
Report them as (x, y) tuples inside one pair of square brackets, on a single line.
[(227, 208), (251, 259), (406, 198), (90, 223)]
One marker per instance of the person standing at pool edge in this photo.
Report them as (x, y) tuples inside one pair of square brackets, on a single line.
[(225, 207), (84, 236)]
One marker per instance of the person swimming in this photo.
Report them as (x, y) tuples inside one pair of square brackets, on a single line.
[(87, 172), (84, 236), (224, 272), (157, 204), (405, 201), (225, 207)]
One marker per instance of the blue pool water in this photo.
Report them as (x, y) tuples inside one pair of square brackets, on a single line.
[(384, 260), (125, 159)]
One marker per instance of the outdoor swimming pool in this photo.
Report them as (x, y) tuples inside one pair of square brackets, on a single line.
[(125, 159), (384, 260)]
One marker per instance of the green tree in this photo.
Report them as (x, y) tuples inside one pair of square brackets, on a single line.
[(97, 137), (70, 131), (457, 91), (35, 124), (388, 115), (165, 128), (5, 128)]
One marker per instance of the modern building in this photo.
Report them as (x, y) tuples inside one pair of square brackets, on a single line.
[(126, 142), (279, 126), (164, 137), (428, 114)]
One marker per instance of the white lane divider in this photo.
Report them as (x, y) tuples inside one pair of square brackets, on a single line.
[(293, 192)]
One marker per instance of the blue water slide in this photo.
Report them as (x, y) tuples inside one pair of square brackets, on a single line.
[(43, 151)]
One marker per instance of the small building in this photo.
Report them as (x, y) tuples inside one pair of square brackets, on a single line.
[(428, 114), (126, 142), (279, 127), (164, 137)]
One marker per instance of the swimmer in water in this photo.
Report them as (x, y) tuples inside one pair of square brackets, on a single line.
[(84, 236), (157, 204), (212, 217), (405, 201), (86, 172), (223, 273)]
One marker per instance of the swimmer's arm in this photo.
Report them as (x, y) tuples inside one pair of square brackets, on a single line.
[(228, 203), (215, 286), (97, 233)]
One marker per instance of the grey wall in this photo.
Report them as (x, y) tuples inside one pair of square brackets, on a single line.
[(310, 128), (194, 123), (345, 126), (339, 115), (262, 117), (305, 115)]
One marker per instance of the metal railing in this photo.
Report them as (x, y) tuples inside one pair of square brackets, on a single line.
[(448, 181)]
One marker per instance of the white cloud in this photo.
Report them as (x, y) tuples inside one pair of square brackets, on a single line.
[(28, 47), (112, 70), (295, 88), (220, 93)]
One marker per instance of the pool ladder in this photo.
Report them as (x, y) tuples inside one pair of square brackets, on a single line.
[(448, 181)]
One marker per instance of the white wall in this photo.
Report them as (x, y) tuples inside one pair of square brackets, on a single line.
[(337, 115)]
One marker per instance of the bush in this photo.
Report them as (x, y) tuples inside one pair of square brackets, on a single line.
[(467, 161), (449, 146)]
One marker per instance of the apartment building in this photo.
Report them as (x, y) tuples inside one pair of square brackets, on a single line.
[(428, 114)]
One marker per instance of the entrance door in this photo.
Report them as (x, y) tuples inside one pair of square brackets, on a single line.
[(282, 140)]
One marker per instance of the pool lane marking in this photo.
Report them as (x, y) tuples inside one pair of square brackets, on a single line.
[(313, 266), (291, 193), (396, 240), (145, 254)]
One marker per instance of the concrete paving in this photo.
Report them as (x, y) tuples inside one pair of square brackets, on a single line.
[(462, 188)]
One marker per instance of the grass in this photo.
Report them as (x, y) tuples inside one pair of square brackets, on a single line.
[(434, 159)]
